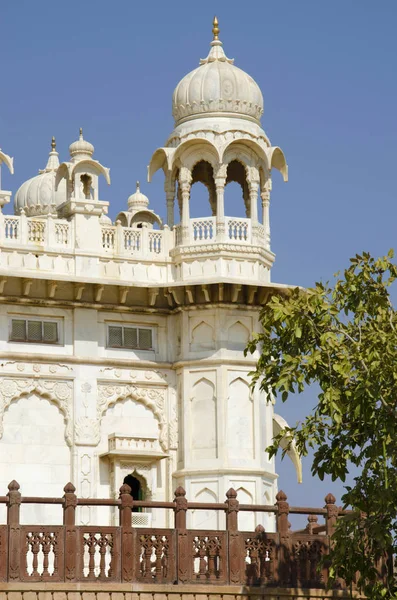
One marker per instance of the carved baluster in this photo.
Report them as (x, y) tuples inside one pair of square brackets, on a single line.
[(127, 544), (164, 559), (147, 557), (158, 547), (283, 526), (202, 552), (307, 547), (180, 508), (71, 557), (211, 553), (183, 551), (91, 543), (260, 534), (330, 523), (232, 508), (103, 545), (46, 547), (254, 555), (235, 545), (332, 514), (14, 547), (314, 557), (55, 549), (312, 522), (251, 565), (35, 544), (296, 566), (27, 550), (111, 549)]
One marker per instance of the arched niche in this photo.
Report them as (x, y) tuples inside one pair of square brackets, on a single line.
[(237, 336), (246, 520), (240, 420), (205, 519), (34, 451), (202, 337), (204, 420), (192, 151), (130, 417)]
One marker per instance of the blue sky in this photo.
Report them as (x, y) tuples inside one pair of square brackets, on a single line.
[(327, 71)]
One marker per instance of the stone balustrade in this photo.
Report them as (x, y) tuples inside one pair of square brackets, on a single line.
[(99, 554), (115, 239), (25, 231), (62, 247)]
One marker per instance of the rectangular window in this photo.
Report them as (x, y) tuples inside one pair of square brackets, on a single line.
[(134, 338), (34, 331)]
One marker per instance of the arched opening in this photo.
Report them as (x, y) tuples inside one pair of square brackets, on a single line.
[(200, 195), (136, 490), (237, 189), (86, 186)]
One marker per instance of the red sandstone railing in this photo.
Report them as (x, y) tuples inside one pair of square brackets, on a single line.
[(70, 553)]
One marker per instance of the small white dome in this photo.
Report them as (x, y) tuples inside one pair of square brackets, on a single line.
[(137, 201), (81, 148), (105, 220), (217, 86), (37, 196)]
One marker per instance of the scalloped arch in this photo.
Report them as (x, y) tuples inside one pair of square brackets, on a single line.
[(57, 392), (149, 398), (193, 151), (248, 151)]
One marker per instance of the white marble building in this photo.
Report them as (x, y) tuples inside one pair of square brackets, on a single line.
[(121, 344)]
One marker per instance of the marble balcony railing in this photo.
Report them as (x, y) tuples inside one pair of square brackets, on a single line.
[(58, 234), (83, 248), (236, 231)]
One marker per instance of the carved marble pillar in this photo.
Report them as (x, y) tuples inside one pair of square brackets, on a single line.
[(265, 196), (169, 189), (170, 208), (220, 179), (185, 182), (253, 192)]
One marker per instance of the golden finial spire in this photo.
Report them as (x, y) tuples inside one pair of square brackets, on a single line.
[(215, 29), (53, 144)]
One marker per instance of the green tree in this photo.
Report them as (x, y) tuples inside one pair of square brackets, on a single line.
[(343, 338)]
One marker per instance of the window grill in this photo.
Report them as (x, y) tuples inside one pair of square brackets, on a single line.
[(34, 331), (133, 338)]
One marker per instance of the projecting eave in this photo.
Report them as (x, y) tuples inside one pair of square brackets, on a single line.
[(277, 161), (144, 455), (162, 158), (7, 160)]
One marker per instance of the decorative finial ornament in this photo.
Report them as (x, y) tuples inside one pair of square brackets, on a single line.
[(138, 187), (53, 144), (81, 133), (215, 29)]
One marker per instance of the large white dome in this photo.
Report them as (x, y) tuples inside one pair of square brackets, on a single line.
[(37, 196), (217, 87)]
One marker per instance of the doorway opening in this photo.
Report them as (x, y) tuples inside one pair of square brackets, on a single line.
[(136, 490)]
